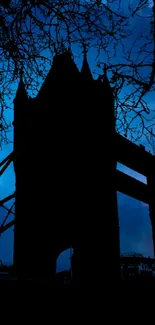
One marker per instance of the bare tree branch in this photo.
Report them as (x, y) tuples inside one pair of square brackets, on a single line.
[(31, 33)]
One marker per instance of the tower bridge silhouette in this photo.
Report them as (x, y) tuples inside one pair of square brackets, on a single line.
[(65, 155)]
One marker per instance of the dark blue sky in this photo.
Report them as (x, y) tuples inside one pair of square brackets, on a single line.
[(135, 226)]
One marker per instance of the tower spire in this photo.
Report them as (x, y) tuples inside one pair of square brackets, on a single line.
[(105, 70), (62, 45), (21, 93), (85, 71)]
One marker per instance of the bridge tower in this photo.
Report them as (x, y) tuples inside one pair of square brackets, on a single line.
[(65, 175)]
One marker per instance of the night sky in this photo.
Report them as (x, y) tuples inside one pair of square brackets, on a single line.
[(135, 226)]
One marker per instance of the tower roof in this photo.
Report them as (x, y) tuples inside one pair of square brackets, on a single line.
[(64, 65), (63, 68)]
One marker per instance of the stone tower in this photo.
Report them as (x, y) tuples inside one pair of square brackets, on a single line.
[(65, 174)]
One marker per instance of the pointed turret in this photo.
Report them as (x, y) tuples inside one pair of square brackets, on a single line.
[(85, 71), (21, 94), (105, 82)]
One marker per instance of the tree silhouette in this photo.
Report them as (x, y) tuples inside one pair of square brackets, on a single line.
[(31, 33)]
